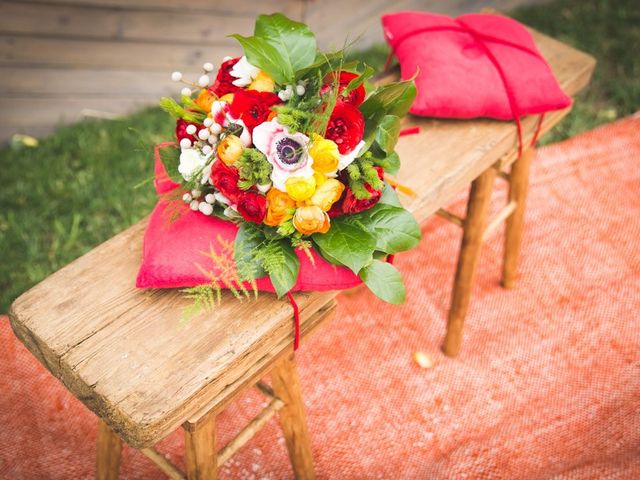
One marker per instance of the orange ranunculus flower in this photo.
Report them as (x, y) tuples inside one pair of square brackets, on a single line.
[(311, 219), (205, 99), (327, 194), (262, 83), (325, 154), (230, 149), (279, 206)]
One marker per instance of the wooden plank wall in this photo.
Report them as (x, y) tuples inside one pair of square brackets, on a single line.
[(61, 60)]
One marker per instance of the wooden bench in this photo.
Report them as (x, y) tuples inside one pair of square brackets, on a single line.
[(127, 356)]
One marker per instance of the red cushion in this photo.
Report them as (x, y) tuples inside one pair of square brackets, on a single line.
[(472, 66), (173, 249)]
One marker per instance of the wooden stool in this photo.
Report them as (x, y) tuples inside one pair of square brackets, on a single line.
[(125, 353)]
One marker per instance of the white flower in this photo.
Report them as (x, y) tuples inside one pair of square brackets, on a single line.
[(244, 72), (191, 161), (345, 160), (287, 152)]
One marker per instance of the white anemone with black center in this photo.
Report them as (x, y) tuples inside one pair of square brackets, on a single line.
[(286, 152)]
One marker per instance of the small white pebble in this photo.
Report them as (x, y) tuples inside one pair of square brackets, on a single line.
[(226, 59), (191, 129), (196, 193), (300, 90), (186, 198), (215, 128), (194, 205), (205, 208), (207, 149), (185, 143), (185, 92), (176, 76), (207, 67), (210, 198), (204, 80), (208, 122), (203, 134)]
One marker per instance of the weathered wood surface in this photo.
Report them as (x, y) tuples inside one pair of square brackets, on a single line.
[(125, 353)]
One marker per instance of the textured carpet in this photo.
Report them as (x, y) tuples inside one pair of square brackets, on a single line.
[(547, 384)]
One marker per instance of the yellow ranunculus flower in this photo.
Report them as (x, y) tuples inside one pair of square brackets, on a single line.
[(300, 188), (279, 206), (311, 219), (205, 100), (320, 178), (327, 194), (325, 154), (262, 83), (230, 149), (227, 97)]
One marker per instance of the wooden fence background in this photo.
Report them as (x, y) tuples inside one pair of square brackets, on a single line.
[(62, 60)]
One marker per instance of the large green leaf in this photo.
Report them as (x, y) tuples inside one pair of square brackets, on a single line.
[(266, 57), (249, 237), (395, 230), (347, 243), (385, 281), (387, 132), (391, 99), (294, 41), (284, 277), (389, 196)]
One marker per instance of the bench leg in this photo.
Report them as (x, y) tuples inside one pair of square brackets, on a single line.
[(200, 451), (474, 226), (286, 386), (518, 188), (109, 453)]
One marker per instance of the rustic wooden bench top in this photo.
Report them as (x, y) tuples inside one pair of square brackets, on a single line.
[(125, 353)]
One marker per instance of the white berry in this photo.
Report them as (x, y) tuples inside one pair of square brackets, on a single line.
[(215, 128), (300, 90), (210, 198), (186, 198), (185, 92), (191, 129), (264, 188), (207, 149), (203, 134), (196, 193), (194, 205), (226, 59), (204, 80), (176, 76), (207, 67), (185, 143), (208, 122), (212, 139), (205, 208)]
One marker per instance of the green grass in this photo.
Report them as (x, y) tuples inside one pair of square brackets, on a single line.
[(76, 189)]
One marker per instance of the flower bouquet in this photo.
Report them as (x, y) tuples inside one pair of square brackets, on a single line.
[(282, 161)]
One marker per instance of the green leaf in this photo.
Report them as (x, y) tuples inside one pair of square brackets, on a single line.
[(390, 163), (170, 157), (266, 57), (347, 243), (249, 237), (385, 281), (359, 80), (389, 196), (395, 230), (284, 278), (391, 99), (295, 42), (387, 132)]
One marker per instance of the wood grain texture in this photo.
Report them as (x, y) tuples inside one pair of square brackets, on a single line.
[(200, 452), (125, 353), (108, 453)]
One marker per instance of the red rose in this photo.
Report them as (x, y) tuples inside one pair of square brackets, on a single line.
[(346, 127), (349, 204), (252, 206), (224, 81), (355, 96), (181, 130), (225, 179), (253, 107)]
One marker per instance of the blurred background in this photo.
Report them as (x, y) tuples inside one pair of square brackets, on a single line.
[(79, 80)]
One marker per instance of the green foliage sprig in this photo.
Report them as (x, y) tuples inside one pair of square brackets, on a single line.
[(254, 169)]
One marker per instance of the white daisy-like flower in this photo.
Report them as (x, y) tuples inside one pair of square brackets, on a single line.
[(348, 158), (244, 72), (287, 152), (191, 161)]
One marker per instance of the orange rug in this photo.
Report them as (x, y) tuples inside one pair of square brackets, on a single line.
[(547, 384)]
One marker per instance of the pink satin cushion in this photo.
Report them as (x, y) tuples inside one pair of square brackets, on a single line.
[(476, 65), (174, 247)]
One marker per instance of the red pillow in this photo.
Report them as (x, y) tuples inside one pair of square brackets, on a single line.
[(472, 66), (173, 249)]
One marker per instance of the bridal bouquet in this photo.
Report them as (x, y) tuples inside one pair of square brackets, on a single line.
[(294, 146)]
